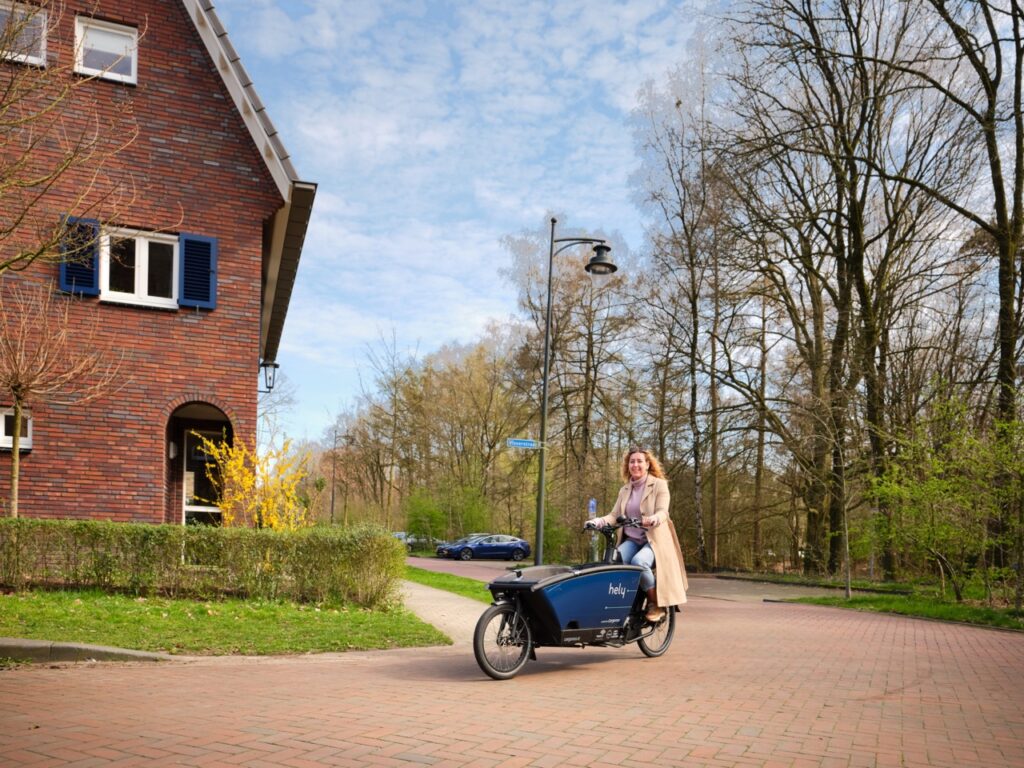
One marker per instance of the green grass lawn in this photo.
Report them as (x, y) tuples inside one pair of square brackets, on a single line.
[(924, 600), (925, 607), (460, 585), (222, 627), (898, 588), (211, 627)]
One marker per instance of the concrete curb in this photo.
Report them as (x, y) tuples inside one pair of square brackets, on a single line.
[(45, 651)]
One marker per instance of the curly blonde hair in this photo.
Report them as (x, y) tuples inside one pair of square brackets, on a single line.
[(653, 465)]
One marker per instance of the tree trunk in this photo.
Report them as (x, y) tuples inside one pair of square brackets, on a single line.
[(837, 494), (713, 425), (762, 387), (695, 431), (1018, 595), (19, 411)]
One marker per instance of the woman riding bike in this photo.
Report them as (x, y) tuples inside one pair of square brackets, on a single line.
[(645, 496)]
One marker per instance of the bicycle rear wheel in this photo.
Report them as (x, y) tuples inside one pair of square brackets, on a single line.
[(501, 641), (660, 639)]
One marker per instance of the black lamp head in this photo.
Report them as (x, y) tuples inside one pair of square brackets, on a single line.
[(599, 263), (269, 374)]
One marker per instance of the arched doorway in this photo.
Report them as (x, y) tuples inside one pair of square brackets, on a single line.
[(192, 496)]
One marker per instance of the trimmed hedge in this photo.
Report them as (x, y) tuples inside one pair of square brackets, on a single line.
[(361, 565)]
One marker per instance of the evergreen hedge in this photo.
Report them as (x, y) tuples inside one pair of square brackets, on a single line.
[(360, 565)]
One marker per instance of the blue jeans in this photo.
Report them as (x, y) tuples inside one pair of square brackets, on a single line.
[(633, 554)]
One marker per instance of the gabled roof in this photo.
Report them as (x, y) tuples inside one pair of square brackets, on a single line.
[(286, 231)]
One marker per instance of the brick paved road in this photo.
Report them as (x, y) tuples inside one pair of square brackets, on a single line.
[(744, 684)]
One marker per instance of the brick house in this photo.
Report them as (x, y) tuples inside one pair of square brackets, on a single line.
[(192, 278)]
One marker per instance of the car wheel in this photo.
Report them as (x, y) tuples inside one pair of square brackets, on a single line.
[(466, 554), (517, 555)]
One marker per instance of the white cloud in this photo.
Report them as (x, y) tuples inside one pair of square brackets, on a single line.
[(433, 130)]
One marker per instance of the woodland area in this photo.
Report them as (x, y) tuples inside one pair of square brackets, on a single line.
[(820, 339)]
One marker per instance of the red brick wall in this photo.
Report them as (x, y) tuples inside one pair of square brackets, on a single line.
[(195, 170)]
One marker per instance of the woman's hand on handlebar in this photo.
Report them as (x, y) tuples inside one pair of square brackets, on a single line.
[(593, 525)]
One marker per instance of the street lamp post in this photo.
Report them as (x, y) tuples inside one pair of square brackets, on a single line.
[(599, 264)]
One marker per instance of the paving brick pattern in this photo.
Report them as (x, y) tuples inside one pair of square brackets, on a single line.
[(744, 684)]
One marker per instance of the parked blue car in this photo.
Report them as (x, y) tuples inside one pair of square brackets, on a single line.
[(497, 546), (445, 547)]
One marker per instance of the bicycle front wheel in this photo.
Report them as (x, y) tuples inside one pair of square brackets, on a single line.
[(660, 639), (501, 641)]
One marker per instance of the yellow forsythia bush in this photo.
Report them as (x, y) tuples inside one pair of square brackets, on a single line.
[(256, 490)]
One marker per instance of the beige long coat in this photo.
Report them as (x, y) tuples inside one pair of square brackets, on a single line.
[(671, 584)]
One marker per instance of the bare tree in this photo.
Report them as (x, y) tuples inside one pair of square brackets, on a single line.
[(683, 190), (974, 63), (820, 115), (48, 357), (58, 139), (387, 418), (272, 404)]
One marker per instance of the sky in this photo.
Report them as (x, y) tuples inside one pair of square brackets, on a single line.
[(433, 130)]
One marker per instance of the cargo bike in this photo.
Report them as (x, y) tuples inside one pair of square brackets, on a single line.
[(565, 606)]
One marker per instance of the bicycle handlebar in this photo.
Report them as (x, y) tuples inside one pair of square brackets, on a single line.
[(621, 522), (608, 531)]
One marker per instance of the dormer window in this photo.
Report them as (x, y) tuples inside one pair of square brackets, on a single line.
[(22, 33), (106, 50)]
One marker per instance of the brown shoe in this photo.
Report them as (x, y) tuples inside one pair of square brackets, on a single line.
[(654, 613)]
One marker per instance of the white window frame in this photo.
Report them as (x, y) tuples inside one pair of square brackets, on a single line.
[(6, 440), (39, 16), (139, 297), (84, 24)]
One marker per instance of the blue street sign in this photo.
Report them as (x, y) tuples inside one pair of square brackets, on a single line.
[(521, 442), (592, 508)]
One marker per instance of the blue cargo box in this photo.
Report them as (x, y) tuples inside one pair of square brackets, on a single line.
[(573, 605)]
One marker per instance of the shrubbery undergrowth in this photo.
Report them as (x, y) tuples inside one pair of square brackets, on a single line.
[(360, 565)]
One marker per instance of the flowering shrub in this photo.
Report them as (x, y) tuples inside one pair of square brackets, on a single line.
[(256, 490)]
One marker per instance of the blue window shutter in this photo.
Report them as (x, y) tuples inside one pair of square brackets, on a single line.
[(80, 249), (197, 286)]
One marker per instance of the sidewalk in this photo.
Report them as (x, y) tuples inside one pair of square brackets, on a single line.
[(454, 615)]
